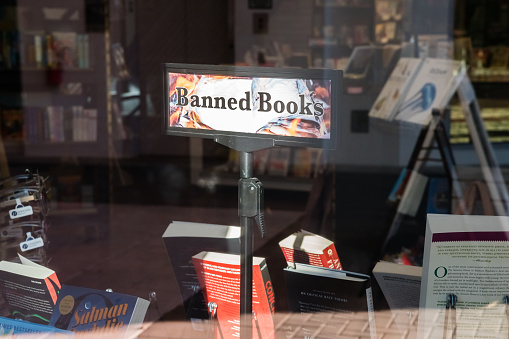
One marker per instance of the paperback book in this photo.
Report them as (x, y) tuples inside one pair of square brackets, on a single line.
[(219, 276), (185, 239), (465, 274), (14, 328), (98, 313), (400, 285), (416, 87), (308, 248), (30, 290), (347, 295), (385, 106)]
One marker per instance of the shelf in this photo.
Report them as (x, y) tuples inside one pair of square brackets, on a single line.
[(221, 178), (70, 210), (321, 42), (91, 149), (489, 75)]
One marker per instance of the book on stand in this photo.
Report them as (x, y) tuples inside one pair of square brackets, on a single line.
[(29, 290), (464, 291), (345, 295), (400, 285), (433, 87), (98, 313), (416, 87), (386, 104), (185, 239), (219, 276), (308, 248)]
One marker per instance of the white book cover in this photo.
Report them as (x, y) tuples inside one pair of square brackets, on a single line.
[(432, 87), (387, 102), (400, 285), (465, 256)]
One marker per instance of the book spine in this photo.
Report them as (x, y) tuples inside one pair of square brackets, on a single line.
[(68, 128), (38, 50), (263, 303), (86, 56), (59, 123), (50, 60), (79, 45), (49, 132), (330, 258), (371, 313)]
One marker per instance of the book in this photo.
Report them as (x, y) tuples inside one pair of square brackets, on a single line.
[(432, 88), (302, 163), (98, 313), (416, 87), (65, 49), (465, 256), (279, 161), (261, 159), (346, 295), (386, 104), (14, 328), (308, 248), (400, 285), (185, 239), (12, 125), (55, 123), (30, 290), (219, 276)]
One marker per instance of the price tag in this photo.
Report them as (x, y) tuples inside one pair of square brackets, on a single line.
[(20, 210), (31, 243), (11, 232)]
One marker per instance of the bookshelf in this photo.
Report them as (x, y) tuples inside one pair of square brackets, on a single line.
[(338, 27), (56, 79), (59, 107)]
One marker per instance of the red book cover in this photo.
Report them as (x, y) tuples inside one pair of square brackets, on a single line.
[(219, 277), (330, 258), (311, 249)]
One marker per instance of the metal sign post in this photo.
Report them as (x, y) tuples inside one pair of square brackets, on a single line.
[(250, 208)]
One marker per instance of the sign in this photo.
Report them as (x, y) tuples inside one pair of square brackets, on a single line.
[(293, 107)]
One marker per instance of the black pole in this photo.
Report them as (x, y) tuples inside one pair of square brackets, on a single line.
[(246, 255)]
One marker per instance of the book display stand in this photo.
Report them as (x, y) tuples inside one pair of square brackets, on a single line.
[(450, 314), (435, 133), (249, 109)]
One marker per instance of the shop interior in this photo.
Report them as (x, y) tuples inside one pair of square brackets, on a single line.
[(86, 114)]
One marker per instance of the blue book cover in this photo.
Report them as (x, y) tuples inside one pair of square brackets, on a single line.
[(14, 326), (98, 312)]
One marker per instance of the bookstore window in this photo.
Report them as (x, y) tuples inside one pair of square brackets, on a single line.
[(355, 152)]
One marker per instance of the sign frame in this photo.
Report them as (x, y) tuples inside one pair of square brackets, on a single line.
[(230, 138)]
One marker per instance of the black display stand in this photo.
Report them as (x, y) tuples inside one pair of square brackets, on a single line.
[(250, 209), (450, 314)]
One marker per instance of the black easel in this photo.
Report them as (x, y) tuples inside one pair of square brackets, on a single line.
[(435, 132), (432, 137)]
